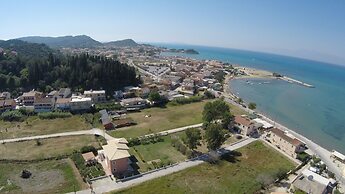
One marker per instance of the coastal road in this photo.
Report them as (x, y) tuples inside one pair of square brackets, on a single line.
[(106, 185), (94, 131)]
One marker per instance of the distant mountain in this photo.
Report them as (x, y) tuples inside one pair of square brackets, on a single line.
[(81, 41), (121, 43), (26, 49)]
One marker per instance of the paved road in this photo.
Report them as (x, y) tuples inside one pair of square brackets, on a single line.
[(107, 185), (93, 131), (170, 131)]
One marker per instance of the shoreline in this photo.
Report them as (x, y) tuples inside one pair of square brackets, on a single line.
[(250, 73), (314, 147)]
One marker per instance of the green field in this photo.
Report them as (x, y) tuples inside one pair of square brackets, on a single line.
[(257, 161), (162, 151), (56, 176), (35, 126), (52, 147), (164, 119)]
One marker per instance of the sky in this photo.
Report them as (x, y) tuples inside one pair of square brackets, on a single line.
[(309, 29)]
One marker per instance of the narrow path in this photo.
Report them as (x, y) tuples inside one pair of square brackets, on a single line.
[(107, 185), (94, 131)]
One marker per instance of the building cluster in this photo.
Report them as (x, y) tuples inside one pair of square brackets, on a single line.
[(283, 140), (62, 99)]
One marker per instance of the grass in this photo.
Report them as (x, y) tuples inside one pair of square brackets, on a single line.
[(35, 126), (29, 150), (166, 118), (162, 119), (242, 176), (162, 151), (56, 176)]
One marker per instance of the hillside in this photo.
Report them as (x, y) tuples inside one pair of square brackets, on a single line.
[(25, 66), (25, 49), (121, 43), (81, 41)]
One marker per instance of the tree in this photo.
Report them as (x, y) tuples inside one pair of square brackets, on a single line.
[(214, 136), (208, 95), (193, 137), (217, 111), (220, 76), (252, 106), (239, 100), (154, 97)]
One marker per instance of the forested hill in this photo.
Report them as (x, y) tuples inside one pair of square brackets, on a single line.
[(81, 41), (122, 43), (47, 71), (25, 49)]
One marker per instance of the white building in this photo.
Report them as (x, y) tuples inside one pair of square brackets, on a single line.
[(79, 103), (96, 96)]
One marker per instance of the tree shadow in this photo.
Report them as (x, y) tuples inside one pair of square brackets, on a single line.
[(231, 156)]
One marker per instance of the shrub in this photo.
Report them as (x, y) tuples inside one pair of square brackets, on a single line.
[(133, 142), (38, 142), (108, 106), (88, 149), (179, 101), (54, 115), (208, 95), (14, 115), (189, 154), (303, 156)]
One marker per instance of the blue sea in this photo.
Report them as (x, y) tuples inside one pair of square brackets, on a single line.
[(318, 113)]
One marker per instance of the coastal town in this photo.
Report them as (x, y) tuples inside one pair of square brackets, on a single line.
[(131, 140)]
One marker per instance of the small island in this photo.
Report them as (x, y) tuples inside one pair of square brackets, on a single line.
[(187, 51)]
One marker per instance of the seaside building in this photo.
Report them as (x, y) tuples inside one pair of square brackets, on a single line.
[(310, 182), (246, 126), (285, 142), (338, 156), (265, 125)]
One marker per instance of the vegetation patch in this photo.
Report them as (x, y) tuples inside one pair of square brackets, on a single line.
[(87, 171), (45, 148), (33, 126), (154, 155), (238, 175), (161, 119)]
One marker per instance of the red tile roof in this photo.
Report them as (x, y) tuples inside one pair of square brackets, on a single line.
[(242, 120), (282, 134)]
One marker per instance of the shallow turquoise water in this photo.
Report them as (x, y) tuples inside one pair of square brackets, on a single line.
[(318, 113)]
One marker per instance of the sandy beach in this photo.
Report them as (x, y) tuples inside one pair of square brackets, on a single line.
[(254, 73)]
